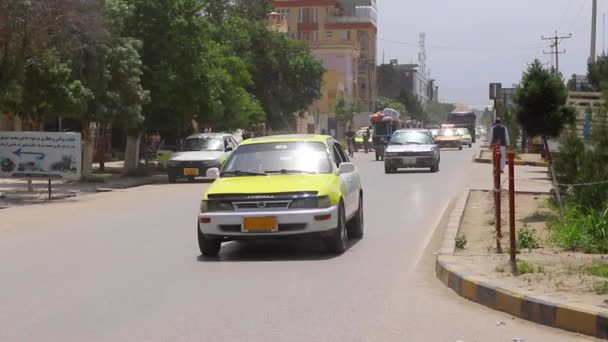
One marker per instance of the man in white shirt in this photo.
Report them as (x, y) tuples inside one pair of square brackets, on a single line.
[(500, 134)]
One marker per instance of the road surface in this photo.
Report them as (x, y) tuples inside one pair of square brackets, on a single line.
[(125, 266)]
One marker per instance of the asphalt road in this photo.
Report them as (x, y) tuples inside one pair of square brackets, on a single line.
[(124, 266)]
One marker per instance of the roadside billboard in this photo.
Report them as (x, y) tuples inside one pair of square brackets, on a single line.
[(40, 155)]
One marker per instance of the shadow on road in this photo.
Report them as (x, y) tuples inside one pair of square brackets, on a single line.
[(274, 250)]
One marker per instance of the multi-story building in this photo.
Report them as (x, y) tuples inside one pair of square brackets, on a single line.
[(395, 77), (342, 34)]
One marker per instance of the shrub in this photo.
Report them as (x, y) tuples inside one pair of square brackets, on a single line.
[(526, 239), (582, 230), (461, 242), (524, 267)]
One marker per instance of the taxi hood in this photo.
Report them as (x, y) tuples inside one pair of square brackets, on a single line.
[(271, 184)]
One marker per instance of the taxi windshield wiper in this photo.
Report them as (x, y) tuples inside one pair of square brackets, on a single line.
[(286, 171), (242, 173)]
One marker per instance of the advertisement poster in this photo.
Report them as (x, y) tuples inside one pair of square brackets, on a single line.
[(40, 155)]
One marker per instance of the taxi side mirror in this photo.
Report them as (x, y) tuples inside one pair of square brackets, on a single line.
[(346, 168), (213, 173)]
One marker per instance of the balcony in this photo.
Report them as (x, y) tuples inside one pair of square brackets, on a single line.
[(356, 12)]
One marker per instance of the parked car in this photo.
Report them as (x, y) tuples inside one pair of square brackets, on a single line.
[(448, 138), (283, 186), (412, 148), (200, 152), (465, 137)]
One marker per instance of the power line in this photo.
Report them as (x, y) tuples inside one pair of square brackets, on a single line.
[(444, 47), (555, 45)]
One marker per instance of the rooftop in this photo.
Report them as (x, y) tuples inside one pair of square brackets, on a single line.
[(288, 138)]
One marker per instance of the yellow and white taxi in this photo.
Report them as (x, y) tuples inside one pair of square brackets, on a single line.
[(283, 186)]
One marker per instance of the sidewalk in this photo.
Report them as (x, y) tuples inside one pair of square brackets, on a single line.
[(13, 192), (552, 292)]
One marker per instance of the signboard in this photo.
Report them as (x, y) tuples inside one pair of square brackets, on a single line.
[(40, 155), (495, 90)]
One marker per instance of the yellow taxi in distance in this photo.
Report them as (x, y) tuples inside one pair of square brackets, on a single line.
[(283, 186), (465, 136), (448, 138)]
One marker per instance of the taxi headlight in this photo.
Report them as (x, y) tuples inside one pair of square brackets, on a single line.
[(208, 206), (311, 203)]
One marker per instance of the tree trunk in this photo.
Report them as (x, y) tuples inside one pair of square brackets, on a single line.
[(132, 150), (87, 150)]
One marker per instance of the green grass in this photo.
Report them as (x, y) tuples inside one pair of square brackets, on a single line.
[(526, 239), (524, 267), (461, 242), (600, 270), (581, 230), (601, 287)]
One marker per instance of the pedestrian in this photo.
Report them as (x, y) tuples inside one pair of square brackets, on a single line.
[(499, 134), (366, 135), (350, 139)]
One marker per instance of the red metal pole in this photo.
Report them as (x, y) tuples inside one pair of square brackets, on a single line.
[(497, 194), (512, 237)]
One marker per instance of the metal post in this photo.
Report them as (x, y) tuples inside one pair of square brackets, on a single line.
[(512, 250), (497, 196), (50, 193)]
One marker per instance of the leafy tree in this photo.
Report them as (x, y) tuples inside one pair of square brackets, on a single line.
[(286, 76), (346, 110), (597, 73), (541, 103), (381, 103)]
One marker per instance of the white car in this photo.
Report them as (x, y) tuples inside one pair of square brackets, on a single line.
[(199, 153), (411, 148)]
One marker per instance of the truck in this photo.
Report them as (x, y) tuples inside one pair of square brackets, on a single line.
[(383, 125), (464, 119)]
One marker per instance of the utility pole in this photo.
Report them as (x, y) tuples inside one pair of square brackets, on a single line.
[(593, 55), (555, 46)]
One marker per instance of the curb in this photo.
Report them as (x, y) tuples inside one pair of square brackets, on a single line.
[(517, 162), (487, 292)]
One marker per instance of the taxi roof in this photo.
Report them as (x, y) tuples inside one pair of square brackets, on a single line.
[(288, 138)]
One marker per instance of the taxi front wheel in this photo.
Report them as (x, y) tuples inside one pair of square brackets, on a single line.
[(337, 241), (208, 247)]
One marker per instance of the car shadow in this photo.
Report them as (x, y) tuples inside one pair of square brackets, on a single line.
[(196, 181), (309, 249), (410, 171)]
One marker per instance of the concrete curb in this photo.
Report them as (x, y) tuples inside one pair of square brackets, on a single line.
[(479, 159), (477, 288)]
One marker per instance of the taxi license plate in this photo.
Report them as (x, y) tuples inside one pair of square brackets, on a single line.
[(260, 224), (190, 172), (408, 161)]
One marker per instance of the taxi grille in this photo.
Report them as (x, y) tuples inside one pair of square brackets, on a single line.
[(262, 205)]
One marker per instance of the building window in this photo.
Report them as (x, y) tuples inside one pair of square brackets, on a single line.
[(345, 35), (304, 35), (329, 34), (308, 15), (284, 12), (315, 35)]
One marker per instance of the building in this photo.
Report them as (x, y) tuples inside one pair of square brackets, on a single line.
[(395, 77), (342, 34)]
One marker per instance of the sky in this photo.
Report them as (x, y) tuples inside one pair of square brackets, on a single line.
[(471, 43)]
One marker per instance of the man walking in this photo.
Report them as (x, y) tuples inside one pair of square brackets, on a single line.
[(500, 135), (366, 135), (350, 139)]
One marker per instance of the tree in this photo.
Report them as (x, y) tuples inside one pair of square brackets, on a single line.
[(380, 103), (346, 110), (286, 77), (541, 108), (597, 73)]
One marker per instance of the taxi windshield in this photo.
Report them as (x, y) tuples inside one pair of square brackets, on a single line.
[(203, 144), (407, 138), (279, 158)]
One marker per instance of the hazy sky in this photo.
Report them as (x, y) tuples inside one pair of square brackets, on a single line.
[(471, 43)]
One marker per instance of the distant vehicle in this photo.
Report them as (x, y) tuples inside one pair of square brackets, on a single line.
[(448, 138), (359, 138), (289, 186), (199, 153), (165, 151), (464, 120), (411, 148), (465, 136), (384, 124)]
